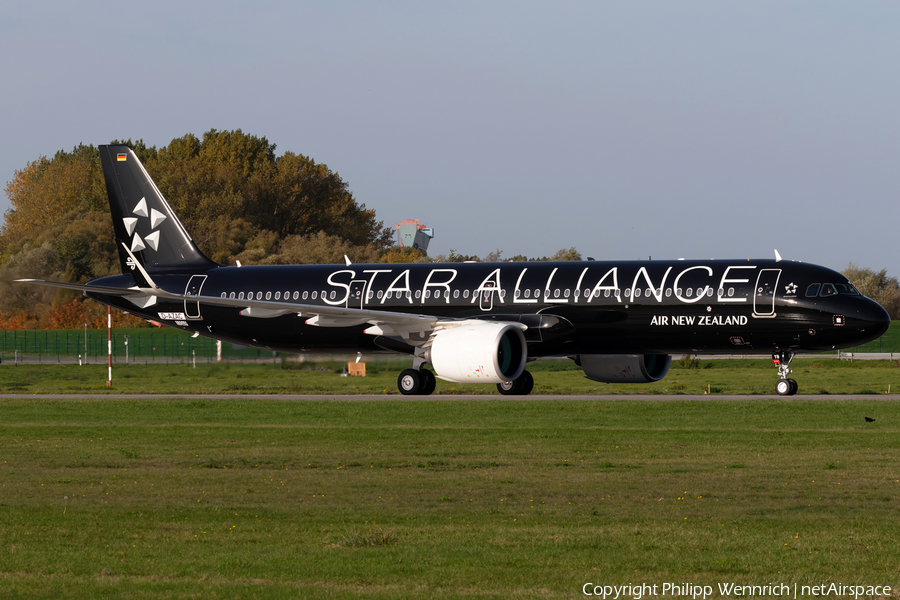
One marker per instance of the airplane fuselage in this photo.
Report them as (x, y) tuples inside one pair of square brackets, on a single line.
[(593, 307)]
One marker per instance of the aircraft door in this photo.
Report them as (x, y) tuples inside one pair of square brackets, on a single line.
[(356, 296), (192, 308), (764, 296), (486, 299)]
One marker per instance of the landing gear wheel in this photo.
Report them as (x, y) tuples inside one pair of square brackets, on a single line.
[(794, 387), (782, 360), (509, 388), (527, 383), (783, 387), (521, 386), (410, 382), (429, 382)]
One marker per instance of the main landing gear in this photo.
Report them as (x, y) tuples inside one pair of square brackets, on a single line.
[(521, 386), (416, 382), (782, 360), (421, 382)]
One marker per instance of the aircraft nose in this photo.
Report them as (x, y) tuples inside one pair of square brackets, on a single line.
[(877, 319)]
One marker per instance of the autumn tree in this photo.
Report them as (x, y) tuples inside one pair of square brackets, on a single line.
[(878, 286), (239, 200)]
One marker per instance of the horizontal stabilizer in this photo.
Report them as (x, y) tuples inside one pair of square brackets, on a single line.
[(94, 289)]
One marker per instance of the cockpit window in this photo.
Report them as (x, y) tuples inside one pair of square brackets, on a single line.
[(827, 290), (813, 290), (847, 288)]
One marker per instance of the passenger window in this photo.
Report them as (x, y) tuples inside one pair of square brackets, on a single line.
[(556, 293), (618, 292), (668, 292), (231, 295), (730, 292), (709, 292), (827, 290), (456, 293), (418, 294), (241, 296), (689, 292), (628, 293), (528, 293), (314, 294), (223, 294), (566, 293), (466, 294), (637, 293), (380, 294), (268, 295), (605, 293), (502, 294), (278, 295), (427, 294)]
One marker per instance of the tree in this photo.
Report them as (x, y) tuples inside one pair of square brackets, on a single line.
[(878, 286), (239, 200), (229, 175)]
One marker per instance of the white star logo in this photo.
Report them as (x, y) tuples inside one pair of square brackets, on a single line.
[(156, 218), (790, 288)]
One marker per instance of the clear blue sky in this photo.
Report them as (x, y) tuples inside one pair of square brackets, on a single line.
[(625, 129)]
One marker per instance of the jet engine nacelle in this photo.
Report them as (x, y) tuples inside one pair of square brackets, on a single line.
[(624, 368), (478, 352)]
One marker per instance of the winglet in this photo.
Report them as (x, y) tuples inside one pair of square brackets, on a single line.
[(777, 256)]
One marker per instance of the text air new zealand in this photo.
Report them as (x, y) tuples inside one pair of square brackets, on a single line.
[(477, 322)]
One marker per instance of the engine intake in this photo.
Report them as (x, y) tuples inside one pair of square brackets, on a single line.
[(624, 368), (478, 352)]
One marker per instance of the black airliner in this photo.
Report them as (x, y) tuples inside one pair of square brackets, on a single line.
[(480, 322)]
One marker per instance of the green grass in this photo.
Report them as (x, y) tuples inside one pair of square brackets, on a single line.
[(196, 498), (815, 376)]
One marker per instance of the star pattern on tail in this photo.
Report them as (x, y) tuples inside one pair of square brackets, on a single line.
[(151, 240)]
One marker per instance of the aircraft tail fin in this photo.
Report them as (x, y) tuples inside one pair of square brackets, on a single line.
[(147, 229)]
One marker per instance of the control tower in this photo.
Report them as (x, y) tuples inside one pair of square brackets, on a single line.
[(415, 234)]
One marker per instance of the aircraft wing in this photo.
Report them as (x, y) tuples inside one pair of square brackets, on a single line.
[(415, 329)]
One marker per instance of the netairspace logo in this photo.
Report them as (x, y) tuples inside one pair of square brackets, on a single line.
[(732, 590)]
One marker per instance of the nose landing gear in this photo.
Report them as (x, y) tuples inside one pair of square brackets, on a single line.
[(782, 360)]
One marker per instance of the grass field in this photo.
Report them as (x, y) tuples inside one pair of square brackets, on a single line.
[(196, 498), (758, 376)]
